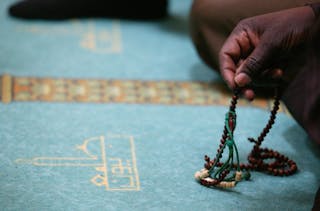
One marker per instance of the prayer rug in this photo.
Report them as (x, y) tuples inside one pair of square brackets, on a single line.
[(100, 114)]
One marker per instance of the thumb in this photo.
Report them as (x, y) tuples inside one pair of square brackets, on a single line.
[(254, 64)]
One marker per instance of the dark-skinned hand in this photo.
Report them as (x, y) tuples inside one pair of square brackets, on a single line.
[(261, 48)]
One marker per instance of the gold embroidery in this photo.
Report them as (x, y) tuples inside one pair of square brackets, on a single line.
[(6, 88), (112, 156), (104, 40), (126, 91)]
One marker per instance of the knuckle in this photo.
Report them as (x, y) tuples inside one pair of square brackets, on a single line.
[(245, 23), (252, 66)]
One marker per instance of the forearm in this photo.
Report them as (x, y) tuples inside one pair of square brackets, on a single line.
[(302, 96)]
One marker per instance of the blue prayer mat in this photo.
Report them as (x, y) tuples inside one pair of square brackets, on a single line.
[(117, 115)]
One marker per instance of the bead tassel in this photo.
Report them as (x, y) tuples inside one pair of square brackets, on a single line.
[(281, 166)]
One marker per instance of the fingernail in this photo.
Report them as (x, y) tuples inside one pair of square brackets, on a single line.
[(242, 79)]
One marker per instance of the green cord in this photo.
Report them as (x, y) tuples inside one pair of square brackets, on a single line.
[(231, 146)]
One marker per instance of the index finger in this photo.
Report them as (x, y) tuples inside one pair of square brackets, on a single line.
[(236, 47)]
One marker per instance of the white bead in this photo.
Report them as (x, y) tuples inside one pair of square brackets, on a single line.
[(203, 173), (238, 176)]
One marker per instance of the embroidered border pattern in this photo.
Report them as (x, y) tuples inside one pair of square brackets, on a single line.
[(119, 91)]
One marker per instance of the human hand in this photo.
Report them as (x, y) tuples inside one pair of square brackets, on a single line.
[(262, 46)]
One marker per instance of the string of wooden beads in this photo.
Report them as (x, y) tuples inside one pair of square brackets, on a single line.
[(259, 159)]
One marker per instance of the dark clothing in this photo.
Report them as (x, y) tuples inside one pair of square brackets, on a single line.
[(302, 96)]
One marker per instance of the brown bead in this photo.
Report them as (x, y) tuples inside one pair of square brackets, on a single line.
[(266, 130), (275, 172), (206, 158), (234, 97), (281, 172)]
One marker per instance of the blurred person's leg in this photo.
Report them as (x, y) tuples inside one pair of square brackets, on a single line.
[(211, 21), (64, 9)]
